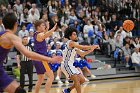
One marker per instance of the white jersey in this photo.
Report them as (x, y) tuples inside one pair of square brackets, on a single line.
[(68, 59), (69, 54)]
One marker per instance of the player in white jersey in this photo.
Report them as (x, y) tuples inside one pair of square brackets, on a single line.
[(72, 48)]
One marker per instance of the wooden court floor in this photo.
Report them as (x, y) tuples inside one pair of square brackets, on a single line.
[(127, 85)]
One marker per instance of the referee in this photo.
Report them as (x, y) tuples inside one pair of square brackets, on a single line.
[(25, 65)]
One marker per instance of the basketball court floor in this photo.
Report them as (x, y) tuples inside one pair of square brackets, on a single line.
[(125, 85)]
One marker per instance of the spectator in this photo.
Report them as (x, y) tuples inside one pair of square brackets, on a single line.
[(111, 45), (9, 8), (28, 5), (126, 40), (52, 7), (58, 53), (118, 42), (45, 17), (24, 16), (106, 19), (76, 25), (114, 23), (30, 38), (127, 54), (67, 7), (18, 6), (23, 32), (16, 12), (33, 16), (136, 57), (72, 16), (1, 25), (136, 42), (53, 19), (121, 32), (87, 28), (129, 34), (3, 10), (36, 11)]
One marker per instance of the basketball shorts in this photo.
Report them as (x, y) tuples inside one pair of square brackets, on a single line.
[(5, 80), (69, 70), (41, 67)]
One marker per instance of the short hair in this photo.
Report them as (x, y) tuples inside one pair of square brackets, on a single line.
[(38, 23), (69, 31), (24, 37), (9, 21), (127, 44)]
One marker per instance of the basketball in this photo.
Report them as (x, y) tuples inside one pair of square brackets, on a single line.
[(128, 25)]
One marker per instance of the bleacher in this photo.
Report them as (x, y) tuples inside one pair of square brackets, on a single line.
[(120, 71)]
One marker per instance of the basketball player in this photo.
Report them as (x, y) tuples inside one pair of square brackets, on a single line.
[(8, 39), (42, 68), (71, 49)]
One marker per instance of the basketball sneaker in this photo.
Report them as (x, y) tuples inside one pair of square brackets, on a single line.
[(65, 91)]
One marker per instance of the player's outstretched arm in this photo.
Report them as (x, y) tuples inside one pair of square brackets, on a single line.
[(50, 32), (17, 42), (45, 34), (81, 47), (83, 53)]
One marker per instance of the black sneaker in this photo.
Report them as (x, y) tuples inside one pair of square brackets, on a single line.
[(30, 90)]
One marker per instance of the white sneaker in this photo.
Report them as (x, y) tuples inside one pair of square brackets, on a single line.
[(86, 80), (127, 65), (57, 78), (93, 76), (60, 82), (66, 82)]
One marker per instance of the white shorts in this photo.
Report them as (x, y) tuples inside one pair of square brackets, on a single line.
[(69, 70)]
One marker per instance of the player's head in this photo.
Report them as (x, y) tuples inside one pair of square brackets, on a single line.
[(10, 22), (39, 25), (71, 34)]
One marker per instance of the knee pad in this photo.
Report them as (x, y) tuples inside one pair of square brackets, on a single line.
[(20, 90)]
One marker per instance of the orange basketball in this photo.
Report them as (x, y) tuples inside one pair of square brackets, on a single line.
[(128, 25)]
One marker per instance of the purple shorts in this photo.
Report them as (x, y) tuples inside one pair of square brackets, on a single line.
[(41, 67), (5, 80)]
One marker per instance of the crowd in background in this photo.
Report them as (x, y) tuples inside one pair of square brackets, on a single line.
[(97, 22)]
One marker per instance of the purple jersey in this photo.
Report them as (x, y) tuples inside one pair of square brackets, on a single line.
[(41, 48), (5, 80), (3, 52)]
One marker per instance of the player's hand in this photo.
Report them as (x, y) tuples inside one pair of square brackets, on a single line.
[(47, 25), (54, 28), (56, 59), (95, 47)]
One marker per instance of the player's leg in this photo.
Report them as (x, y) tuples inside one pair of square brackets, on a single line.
[(13, 87), (9, 85), (39, 82), (76, 83), (50, 78)]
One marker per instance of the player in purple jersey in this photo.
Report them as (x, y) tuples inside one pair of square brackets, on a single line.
[(40, 47), (8, 39)]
